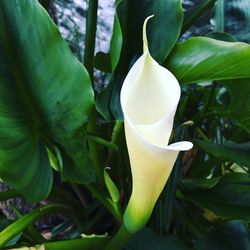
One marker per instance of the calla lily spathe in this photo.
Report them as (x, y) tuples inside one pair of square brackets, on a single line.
[(149, 98)]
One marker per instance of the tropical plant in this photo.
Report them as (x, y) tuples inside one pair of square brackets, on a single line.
[(55, 122)]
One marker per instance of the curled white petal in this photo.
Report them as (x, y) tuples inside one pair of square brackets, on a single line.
[(149, 98)]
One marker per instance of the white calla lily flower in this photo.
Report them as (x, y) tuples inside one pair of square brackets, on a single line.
[(149, 98)]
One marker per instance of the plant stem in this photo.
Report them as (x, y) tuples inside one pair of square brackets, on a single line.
[(18, 226), (209, 98), (78, 244), (119, 240), (6, 195), (199, 11), (202, 135), (90, 37), (114, 140), (219, 16), (104, 142), (79, 194), (108, 204), (96, 153), (32, 234)]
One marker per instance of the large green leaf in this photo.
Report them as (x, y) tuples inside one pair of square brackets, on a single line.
[(235, 152), (239, 106), (148, 240), (163, 29), (45, 98), (201, 59), (163, 32), (229, 198)]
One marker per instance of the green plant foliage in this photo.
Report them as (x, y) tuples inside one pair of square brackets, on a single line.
[(148, 240), (222, 36), (202, 59), (163, 32), (91, 243), (50, 129), (113, 190), (108, 62), (22, 223), (228, 236), (45, 98), (225, 199), (239, 153), (239, 106), (5, 223)]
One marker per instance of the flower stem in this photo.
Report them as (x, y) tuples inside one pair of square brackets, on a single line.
[(219, 16), (90, 37), (120, 239), (6, 195), (113, 209)]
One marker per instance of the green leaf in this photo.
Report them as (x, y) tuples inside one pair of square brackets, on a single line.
[(202, 59), (9, 194), (235, 152), (148, 240), (113, 190), (228, 199), (93, 243), (163, 31), (22, 223), (230, 236), (239, 106), (107, 62), (222, 36), (5, 223), (45, 98), (219, 16), (192, 184)]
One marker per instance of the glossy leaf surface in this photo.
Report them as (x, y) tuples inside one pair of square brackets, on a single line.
[(225, 199), (239, 106), (239, 153), (45, 98), (202, 59), (163, 32)]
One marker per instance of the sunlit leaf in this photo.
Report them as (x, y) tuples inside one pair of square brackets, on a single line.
[(202, 59)]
